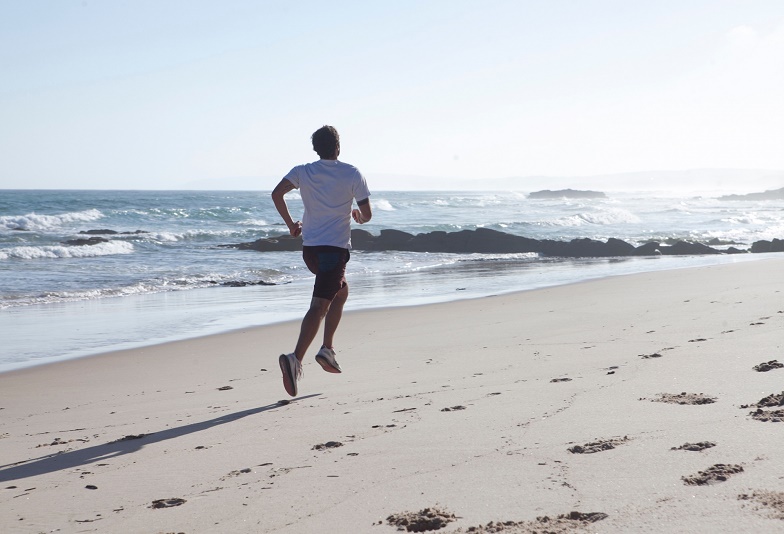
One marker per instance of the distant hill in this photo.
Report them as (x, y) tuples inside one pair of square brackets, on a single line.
[(567, 193), (772, 194), (716, 181)]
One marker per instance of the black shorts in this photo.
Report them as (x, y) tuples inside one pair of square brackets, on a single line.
[(329, 266)]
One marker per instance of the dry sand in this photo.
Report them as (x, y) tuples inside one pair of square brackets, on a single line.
[(621, 405)]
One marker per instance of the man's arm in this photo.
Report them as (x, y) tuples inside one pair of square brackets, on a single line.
[(295, 228), (364, 213)]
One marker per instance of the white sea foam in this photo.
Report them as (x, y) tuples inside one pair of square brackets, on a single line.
[(746, 218), (164, 237), (171, 237), (383, 205), (605, 217), (36, 223), (610, 216), (254, 222), (150, 286), (58, 251), (500, 257)]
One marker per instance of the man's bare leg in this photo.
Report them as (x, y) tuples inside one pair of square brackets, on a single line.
[(310, 325), (334, 315)]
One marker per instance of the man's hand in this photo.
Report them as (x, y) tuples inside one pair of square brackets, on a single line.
[(357, 215), (295, 229)]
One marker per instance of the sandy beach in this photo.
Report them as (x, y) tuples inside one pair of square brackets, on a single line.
[(643, 403)]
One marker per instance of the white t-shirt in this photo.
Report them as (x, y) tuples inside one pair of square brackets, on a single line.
[(328, 189)]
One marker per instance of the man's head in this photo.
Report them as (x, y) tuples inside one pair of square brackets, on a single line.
[(326, 142)]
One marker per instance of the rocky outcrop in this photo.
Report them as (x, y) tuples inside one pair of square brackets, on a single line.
[(246, 283), (566, 193), (771, 194), (104, 231), (487, 241), (777, 245)]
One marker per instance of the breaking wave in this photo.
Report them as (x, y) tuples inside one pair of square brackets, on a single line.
[(62, 251), (35, 222)]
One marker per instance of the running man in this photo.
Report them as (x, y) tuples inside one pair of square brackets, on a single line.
[(328, 188)]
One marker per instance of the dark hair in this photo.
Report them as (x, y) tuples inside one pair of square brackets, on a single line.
[(326, 142)]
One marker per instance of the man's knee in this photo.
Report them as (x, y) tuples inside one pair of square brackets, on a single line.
[(342, 293), (320, 306)]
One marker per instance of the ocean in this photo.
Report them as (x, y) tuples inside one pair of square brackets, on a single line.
[(164, 275)]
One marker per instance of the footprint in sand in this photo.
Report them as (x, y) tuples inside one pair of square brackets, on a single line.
[(764, 367), (453, 408), (699, 446), (775, 401), (684, 398), (427, 519), (598, 446), (167, 503), (713, 475), (327, 445), (571, 522), (772, 501), (561, 380), (771, 401), (768, 416), (649, 356)]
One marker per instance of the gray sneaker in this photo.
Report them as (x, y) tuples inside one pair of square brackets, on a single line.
[(292, 372), (327, 361)]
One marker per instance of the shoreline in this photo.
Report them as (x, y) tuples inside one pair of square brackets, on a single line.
[(469, 407), (88, 328)]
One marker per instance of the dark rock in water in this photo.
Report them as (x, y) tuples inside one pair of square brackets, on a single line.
[(777, 245), (99, 232), (618, 247), (283, 243), (481, 240), (590, 248), (648, 249), (733, 250), (683, 248), (395, 239), (244, 283), (771, 194), (111, 232), (361, 238), (487, 241), (83, 242), (566, 193)]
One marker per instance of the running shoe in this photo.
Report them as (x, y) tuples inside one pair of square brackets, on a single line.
[(327, 361), (292, 372)]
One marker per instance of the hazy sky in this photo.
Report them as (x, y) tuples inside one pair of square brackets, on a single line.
[(159, 94)]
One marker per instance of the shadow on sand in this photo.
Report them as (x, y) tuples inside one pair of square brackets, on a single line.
[(68, 460)]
